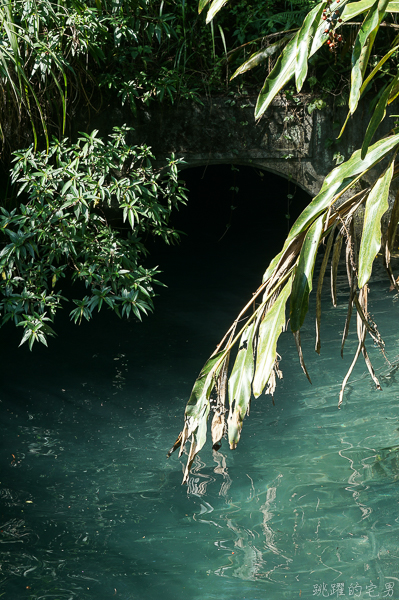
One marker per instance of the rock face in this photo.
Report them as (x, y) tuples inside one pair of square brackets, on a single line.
[(287, 141)]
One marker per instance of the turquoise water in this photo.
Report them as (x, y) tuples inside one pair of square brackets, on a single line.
[(90, 508)]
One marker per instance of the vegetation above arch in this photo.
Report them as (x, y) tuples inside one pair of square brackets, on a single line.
[(328, 219), (57, 56)]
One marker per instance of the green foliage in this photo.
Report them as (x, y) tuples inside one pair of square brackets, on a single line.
[(330, 213), (55, 54), (62, 226)]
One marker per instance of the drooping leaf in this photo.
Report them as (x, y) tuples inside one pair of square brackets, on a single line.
[(302, 284), (378, 115), (269, 332), (243, 370), (304, 40), (362, 48), (280, 75), (240, 382), (197, 409), (202, 4), (200, 390), (214, 8), (376, 206), (259, 57), (339, 180)]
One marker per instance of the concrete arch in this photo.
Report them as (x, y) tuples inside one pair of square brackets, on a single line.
[(267, 166), (287, 141)]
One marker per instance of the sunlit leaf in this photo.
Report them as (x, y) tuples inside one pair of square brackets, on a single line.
[(214, 9), (240, 383), (302, 284), (362, 48), (304, 41), (259, 57), (376, 207), (339, 179), (378, 115), (269, 332)]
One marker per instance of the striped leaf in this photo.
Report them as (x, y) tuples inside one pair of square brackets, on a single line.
[(376, 206), (302, 284), (269, 332)]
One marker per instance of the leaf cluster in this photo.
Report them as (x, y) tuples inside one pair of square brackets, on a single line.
[(328, 219), (62, 226)]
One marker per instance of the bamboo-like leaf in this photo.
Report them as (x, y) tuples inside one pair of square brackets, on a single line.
[(362, 48), (354, 9), (304, 40), (320, 287), (202, 4), (378, 115), (284, 68), (259, 57), (240, 385), (196, 409), (339, 180), (377, 68), (302, 284), (365, 83), (280, 75), (269, 332), (214, 8), (240, 380), (197, 442), (376, 206), (393, 6)]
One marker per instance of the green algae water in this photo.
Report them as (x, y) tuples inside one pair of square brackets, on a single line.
[(305, 507)]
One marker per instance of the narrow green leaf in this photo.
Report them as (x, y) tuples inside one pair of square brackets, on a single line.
[(356, 8), (214, 8), (284, 68), (378, 115), (259, 57), (240, 382), (281, 73), (304, 40), (269, 332), (376, 206), (131, 218), (362, 48), (202, 4), (199, 391), (302, 284), (338, 179)]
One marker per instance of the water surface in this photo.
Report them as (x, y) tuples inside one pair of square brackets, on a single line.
[(90, 508)]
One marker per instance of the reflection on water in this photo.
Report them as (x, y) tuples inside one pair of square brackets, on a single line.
[(90, 507)]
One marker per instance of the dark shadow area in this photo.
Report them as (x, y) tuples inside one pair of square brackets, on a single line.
[(234, 223), (236, 220)]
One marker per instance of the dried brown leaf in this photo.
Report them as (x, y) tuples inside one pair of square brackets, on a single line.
[(297, 337)]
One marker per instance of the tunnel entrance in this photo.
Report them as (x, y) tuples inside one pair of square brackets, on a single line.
[(237, 217), (235, 221)]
